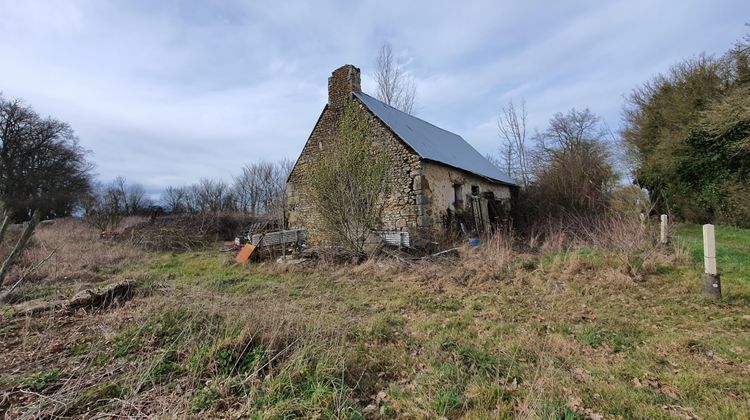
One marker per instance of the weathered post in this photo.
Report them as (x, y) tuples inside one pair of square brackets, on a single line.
[(711, 280), (664, 237)]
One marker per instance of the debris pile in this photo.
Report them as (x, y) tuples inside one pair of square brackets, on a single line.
[(186, 232), (254, 242)]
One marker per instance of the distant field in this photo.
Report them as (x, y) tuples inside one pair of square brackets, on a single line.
[(732, 250)]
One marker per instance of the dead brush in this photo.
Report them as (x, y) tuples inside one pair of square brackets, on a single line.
[(234, 350), (633, 242), (493, 260), (186, 232), (630, 242), (70, 251)]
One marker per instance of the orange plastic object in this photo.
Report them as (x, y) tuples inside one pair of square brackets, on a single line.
[(245, 253)]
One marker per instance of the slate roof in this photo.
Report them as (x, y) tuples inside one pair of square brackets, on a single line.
[(433, 143)]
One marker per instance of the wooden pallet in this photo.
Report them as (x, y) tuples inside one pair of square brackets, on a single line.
[(281, 237)]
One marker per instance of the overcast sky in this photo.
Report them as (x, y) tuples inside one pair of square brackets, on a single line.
[(167, 92)]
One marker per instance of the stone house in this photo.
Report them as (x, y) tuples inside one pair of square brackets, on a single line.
[(437, 180)]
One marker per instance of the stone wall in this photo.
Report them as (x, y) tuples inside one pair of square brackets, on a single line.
[(442, 180), (420, 192), (402, 210)]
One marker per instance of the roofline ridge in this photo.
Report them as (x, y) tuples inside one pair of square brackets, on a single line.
[(412, 116), (363, 98)]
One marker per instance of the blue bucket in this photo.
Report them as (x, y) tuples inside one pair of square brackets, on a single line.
[(473, 241)]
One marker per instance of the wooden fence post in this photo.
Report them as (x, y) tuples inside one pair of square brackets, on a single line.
[(664, 237), (711, 279)]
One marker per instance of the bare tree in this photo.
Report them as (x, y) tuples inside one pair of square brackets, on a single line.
[(42, 166), (246, 189), (260, 188), (175, 200), (123, 198), (285, 169), (395, 86), (573, 164), (102, 209), (277, 204), (495, 160), (511, 124), (114, 197), (212, 196), (136, 201)]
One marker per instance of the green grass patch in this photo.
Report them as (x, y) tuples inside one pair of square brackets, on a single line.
[(480, 362), (623, 339), (207, 398), (561, 338), (41, 381), (95, 396), (732, 249)]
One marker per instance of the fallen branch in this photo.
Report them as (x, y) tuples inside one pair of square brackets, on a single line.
[(452, 251), (394, 254), (89, 299)]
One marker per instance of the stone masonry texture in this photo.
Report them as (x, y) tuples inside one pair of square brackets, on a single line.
[(419, 191)]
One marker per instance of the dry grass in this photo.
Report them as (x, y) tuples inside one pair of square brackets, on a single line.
[(67, 255), (560, 330)]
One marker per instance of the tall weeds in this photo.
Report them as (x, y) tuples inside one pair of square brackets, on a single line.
[(69, 251), (620, 241)]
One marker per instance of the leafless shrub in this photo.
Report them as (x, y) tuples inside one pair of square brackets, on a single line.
[(633, 241), (186, 232), (572, 173)]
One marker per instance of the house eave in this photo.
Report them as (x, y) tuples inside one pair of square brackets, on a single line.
[(489, 179)]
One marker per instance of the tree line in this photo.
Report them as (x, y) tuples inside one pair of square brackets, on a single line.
[(685, 146), (43, 168), (685, 141), (259, 189), (687, 132)]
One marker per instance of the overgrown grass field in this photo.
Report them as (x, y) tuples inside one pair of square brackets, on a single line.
[(551, 332)]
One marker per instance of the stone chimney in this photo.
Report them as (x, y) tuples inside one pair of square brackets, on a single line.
[(343, 81)]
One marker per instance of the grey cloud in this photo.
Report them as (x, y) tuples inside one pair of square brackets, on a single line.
[(169, 92)]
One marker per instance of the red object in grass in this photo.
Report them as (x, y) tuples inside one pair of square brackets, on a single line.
[(245, 254)]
